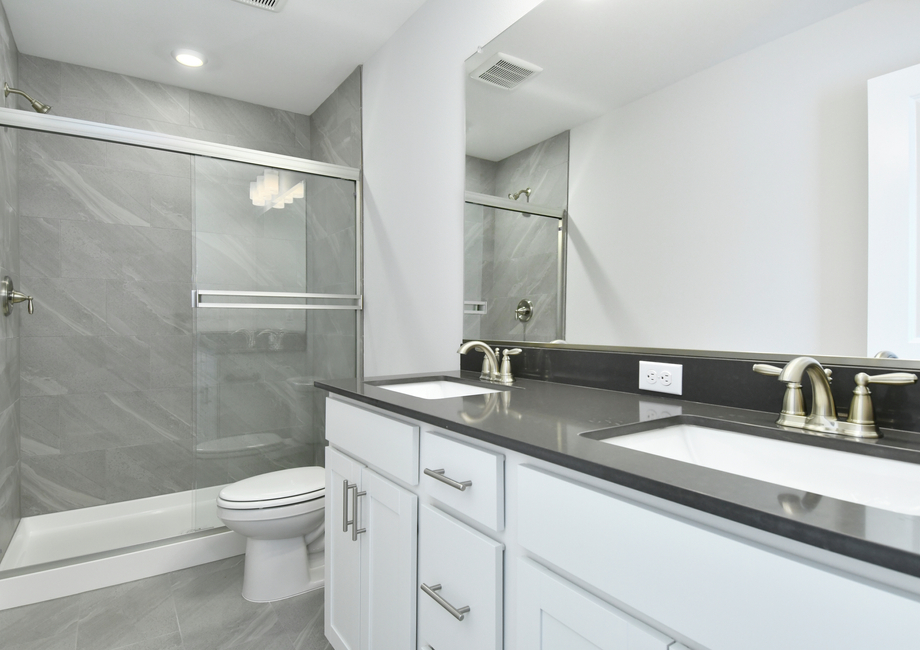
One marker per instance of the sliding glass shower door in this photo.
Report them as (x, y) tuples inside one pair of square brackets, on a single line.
[(276, 302)]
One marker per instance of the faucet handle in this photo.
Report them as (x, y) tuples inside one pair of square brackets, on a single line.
[(894, 378), (861, 420), (505, 376), (773, 371), (766, 369)]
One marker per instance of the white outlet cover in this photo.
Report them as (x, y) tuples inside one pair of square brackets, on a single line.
[(675, 387)]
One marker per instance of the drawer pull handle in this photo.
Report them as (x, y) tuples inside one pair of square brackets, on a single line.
[(346, 522), (432, 591), (439, 474)]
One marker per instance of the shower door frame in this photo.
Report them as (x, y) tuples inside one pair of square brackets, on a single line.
[(14, 118)]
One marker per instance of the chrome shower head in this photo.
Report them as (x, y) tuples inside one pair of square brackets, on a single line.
[(37, 105), (517, 195)]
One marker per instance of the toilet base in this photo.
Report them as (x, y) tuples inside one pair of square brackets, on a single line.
[(275, 569)]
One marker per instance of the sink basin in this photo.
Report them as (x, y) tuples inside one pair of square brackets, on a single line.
[(868, 480), (438, 389)]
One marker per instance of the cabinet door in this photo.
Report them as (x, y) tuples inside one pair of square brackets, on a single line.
[(343, 557), (554, 614), (468, 567), (389, 517)]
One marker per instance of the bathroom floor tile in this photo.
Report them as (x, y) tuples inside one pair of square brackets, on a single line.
[(199, 608)]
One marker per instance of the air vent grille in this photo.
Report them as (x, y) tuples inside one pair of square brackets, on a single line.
[(505, 71), (268, 5)]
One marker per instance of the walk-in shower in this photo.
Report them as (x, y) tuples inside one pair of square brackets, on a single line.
[(186, 295)]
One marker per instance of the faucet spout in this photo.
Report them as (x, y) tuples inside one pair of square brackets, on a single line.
[(491, 359), (823, 416)]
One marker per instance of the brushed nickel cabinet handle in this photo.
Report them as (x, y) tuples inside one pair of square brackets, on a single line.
[(439, 474), (345, 488), (355, 531), (432, 591)]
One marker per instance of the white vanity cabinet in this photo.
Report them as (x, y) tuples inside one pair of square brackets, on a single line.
[(371, 537), (554, 614), (546, 558), (460, 585)]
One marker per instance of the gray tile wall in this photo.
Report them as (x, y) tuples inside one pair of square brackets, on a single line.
[(517, 254), (108, 358), (336, 138), (99, 96), (256, 367), (9, 326), (250, 362)]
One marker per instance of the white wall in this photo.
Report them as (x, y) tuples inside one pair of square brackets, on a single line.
[(728, 211), (413, 128)]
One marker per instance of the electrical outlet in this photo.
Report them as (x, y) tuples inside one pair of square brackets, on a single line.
[(661, 377)]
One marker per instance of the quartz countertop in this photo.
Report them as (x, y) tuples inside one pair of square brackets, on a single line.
[(544, 420)]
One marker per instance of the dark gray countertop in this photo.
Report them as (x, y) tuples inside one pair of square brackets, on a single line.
[(544, 420)]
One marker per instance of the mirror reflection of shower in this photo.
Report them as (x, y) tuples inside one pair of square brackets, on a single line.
[(37, 105), (514, 242)]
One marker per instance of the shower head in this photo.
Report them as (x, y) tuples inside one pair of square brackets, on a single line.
[(517, 195), (37, 105)]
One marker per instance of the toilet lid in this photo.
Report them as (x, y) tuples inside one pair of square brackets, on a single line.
[(274, 489)]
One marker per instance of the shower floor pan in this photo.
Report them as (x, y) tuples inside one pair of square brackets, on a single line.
[(65, 553)]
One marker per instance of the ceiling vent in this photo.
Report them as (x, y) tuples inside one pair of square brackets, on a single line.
[(505, 71), (267, 5)]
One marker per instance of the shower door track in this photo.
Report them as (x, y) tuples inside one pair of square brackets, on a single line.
[(45, 123)]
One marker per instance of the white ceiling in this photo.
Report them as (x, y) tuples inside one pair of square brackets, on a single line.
[(291, 60), (599, 55)]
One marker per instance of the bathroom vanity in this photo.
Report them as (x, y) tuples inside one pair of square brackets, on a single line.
[(489, 521)]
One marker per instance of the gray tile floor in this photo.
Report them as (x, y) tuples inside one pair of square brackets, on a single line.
[(194, 609)]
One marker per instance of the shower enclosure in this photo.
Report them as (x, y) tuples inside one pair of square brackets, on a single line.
[(186, 295)]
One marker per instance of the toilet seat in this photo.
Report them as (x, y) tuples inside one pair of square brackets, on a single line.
[(275, 489)]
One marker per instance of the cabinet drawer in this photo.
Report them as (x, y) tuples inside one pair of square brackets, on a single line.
[(554, 614), (385, 443), (483, 499), (680, 574), (468, 566)]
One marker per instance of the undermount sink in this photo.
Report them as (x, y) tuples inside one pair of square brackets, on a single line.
[(438, 389), (868, 480)]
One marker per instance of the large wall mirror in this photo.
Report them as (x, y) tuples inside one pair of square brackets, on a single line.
[(710, 161)]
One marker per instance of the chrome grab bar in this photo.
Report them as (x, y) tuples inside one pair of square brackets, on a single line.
[(456, 613), (439, 474), (198, 303)]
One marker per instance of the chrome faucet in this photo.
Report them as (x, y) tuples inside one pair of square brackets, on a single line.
[(823, 416), (490, 370)]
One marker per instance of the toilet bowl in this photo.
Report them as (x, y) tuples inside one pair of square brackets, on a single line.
[(281, 516)]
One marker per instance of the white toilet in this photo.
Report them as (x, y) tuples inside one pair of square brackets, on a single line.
[(281, 516)]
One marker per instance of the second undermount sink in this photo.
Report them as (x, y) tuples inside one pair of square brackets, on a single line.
[(868, 480), (438, 389)]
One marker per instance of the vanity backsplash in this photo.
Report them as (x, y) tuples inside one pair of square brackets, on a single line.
[(720, 381)]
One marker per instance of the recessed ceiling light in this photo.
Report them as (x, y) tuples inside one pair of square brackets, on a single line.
[(191, 58)]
